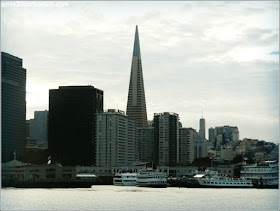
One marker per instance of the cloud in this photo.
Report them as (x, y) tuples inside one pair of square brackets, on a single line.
[(210, 55)]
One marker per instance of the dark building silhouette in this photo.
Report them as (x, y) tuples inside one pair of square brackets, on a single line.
[(72, 123), (136, 103), (13, 77)]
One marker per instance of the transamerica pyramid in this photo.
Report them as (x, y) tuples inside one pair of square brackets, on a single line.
[(136, 103)]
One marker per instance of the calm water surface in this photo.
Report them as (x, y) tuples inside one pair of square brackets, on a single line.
[(136, 198)]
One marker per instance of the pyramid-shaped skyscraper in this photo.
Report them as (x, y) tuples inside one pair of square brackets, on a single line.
[(136, 103)]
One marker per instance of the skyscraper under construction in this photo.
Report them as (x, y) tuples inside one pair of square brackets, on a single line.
[(136, 103)]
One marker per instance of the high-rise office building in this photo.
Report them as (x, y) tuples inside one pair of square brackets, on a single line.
[(38, 127), (186, 145), (13, 107), (72, 124), (115, 139), (136, 103), (166, 138), (202, 128)]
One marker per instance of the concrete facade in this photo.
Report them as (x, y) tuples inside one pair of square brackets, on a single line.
[(144, 139), (186, 145), (115, 139), (166, 138)]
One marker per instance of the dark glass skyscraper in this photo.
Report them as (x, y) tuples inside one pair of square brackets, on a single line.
[(136, 103), (72, 124), (13, 107)]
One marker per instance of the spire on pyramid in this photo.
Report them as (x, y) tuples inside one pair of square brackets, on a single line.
[(136, 49)]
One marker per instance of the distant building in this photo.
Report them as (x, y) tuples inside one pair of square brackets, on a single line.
[(115, 139), (150, 123), (136, 102), (186, 145), (27, 128), (219, 141), (212, 135), (227, 153), (202, 128), (166, 138), (72, 124), (39, 127), (144, 140), (200, 146), (223, 135), (13, 105)]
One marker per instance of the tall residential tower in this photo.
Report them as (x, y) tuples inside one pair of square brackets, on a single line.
[(136, 103)]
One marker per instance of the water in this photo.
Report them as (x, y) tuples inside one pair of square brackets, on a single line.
[(136, 198)]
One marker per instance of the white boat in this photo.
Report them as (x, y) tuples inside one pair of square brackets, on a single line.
[(150, 178), (125, 179), (266, 174), (213, 179)]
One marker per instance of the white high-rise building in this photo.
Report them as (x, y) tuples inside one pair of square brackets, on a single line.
[(115, 139)]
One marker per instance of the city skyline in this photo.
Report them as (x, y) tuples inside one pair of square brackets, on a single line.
[(221, 57)]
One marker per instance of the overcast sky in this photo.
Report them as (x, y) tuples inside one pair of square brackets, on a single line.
[(222, 57)]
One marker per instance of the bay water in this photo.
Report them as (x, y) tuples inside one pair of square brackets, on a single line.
[(109, 197)]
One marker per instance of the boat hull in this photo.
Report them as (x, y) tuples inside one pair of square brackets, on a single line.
[(152, 185)]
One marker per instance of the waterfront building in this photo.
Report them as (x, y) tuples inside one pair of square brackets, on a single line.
[(136, 102), (144, 140), (19, 171), (202, 128), (186, 145), (72, 124), (166, 138), (39, 127), (13, 107), (115, 139)]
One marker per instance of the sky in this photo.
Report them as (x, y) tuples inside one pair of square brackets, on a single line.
[(218, 57)]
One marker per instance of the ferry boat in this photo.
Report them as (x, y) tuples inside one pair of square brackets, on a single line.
[(125, 179), (262, 175), (216, 180), (150, 178)]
